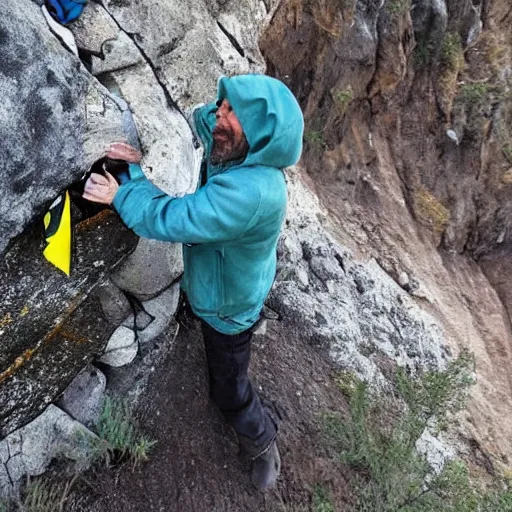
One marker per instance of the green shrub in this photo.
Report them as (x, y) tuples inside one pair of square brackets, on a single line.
[(474, 93), (119, 434), (378, 441), (452, 52), (314, 138), (343, 98)]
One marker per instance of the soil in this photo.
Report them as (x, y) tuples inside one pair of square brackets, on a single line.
[(196, 465)]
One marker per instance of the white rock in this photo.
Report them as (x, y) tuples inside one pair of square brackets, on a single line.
[(151, 268), (51, 435), (162, 308), (170, 159), (436, 451), (121, 348), (83, 399), (403, 279), (452, 135), (63, 33), (261, 330), (352, 305)]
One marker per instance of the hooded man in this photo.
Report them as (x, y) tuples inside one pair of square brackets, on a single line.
[(229, 227)]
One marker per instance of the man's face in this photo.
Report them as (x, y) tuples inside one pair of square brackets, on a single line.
[(229, 142)]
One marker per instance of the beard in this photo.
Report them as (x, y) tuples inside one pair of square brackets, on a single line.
[(228, 148)]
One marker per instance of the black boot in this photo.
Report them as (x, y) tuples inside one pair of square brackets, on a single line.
[(266, 468)]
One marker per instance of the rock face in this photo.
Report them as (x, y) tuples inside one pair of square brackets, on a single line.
[(407, 143), (58, 116), (29, 451), (356, 309), (55, 120)]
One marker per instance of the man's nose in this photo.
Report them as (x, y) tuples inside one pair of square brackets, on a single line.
[(221, 111)]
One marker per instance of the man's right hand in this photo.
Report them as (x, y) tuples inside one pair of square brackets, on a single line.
[(122, 151)]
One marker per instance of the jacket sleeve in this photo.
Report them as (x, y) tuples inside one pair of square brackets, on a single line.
[(224, 209)]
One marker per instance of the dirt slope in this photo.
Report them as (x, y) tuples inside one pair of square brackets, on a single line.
[(195, 465)]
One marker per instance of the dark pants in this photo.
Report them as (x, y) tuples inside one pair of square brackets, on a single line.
[(230, 388)]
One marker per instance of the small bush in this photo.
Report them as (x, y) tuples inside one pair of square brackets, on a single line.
[(474, 93), (451, 64), (429, 209), (343, 98), (119, 433), (314, 138), (452, 53), (378, 440), (40, 495), (43, 496)]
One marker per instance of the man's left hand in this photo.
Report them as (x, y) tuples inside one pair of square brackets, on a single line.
[(100, 189)]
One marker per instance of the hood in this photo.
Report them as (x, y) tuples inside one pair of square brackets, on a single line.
[(270, 117)]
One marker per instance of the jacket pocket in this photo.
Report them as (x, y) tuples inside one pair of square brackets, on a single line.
[(205, 279)]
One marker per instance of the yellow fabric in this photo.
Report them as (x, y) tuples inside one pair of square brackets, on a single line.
[(58, 250)]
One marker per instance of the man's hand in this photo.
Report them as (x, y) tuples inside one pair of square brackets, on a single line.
[(122, 151), (100, 189)]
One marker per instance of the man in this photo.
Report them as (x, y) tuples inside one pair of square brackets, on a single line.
[(230, 228)]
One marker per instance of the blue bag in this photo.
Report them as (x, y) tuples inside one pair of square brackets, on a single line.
[(65, 11)]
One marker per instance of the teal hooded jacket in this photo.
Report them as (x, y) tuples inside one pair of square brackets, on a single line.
[(230, 226)]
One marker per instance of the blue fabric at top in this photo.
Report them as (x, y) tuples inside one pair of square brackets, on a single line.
[(65, 11)]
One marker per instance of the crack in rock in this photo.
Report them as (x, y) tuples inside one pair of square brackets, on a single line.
[(133, 36), (232, 39)]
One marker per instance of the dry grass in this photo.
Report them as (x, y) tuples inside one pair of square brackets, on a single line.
[(506, 178), (495, 49), (430, 210), (452, 63), (331, 15)]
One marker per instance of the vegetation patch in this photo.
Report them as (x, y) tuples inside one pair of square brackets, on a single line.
[(321, 500), (378, 441), (314, 138), (430, 210), (422, 54), (119, 437), (495, 49), (452, 54), (342, 98), (451, 64), (40, 495), (507, 152), (398, 7), (347, 382), (474, 92)]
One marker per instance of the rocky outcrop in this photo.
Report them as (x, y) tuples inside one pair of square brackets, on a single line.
[(55, 121), (153, 59), (368, 322)]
